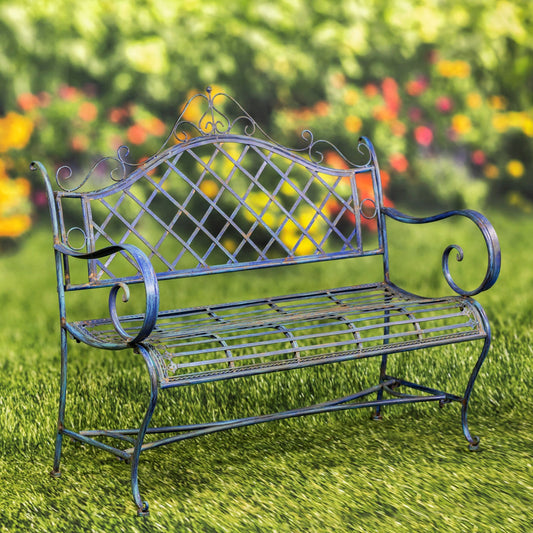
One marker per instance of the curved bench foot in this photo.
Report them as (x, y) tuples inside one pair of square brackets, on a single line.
[(473, 445), (473, 440), (143, 510)]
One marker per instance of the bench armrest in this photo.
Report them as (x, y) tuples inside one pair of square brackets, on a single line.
[(489, 234), (151, 287)]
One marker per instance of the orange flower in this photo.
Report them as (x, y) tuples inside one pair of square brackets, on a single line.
[(333, 159), (88, 111), (80, 143), (398, 162), (398, 128), (384, 114), (491, 171), (498, 103), (371, 90), (136, 134), (321, 108), (153, 126), (27, 101)]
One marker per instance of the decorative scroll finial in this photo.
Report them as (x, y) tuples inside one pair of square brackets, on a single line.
[(211, 113)]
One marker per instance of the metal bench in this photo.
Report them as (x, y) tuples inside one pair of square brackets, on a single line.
[(221, 196)]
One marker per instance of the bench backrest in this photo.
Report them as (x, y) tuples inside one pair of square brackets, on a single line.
[(221, 196)]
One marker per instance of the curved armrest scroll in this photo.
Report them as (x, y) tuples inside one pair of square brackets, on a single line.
[(150, 285), (489, 234)]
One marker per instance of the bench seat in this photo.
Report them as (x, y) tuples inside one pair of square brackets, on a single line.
[(266, 335)]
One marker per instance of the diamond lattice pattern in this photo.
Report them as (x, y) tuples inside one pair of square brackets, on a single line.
[(221, 205)]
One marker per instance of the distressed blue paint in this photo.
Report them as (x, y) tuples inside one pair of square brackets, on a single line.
[(233, 340)]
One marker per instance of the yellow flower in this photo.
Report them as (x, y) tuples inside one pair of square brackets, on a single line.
[(15, 131), (515, 168), (491, 171), (527, 126), (474, 100), (453, 69), (229, 244), (14, 226), (498, 102), (461, 124), (351, 97), (353, 124), (287, 189), (500, 122), (209, 188)]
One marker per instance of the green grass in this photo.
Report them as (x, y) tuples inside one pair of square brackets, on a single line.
[(335, 472)]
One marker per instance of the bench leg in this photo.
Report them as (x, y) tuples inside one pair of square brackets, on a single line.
[(142, 506), (62, 401), (382, 374), (473, 441), (382, 370)]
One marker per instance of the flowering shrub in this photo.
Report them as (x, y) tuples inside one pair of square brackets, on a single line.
[(435, 132), (15, 205)]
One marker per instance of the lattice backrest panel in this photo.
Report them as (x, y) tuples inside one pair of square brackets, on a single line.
[(225, 202)]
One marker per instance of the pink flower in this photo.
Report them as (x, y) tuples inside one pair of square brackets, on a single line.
[(444, 104), (415, 114), (423, 135)]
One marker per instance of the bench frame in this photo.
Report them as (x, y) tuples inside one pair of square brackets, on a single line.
[(214, 126)]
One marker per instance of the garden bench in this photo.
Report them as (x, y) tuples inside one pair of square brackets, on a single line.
[(222, 197)]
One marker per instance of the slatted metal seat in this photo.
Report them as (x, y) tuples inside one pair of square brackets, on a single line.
[(221, 196), (272, 334)]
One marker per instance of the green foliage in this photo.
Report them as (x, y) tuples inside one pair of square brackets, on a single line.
[(462, 74)]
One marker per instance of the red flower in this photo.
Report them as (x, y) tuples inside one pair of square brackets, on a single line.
[(478, 157), (423, 135), (416, 87), (68, 93), (390, 94), (118, 114), (444, 104)]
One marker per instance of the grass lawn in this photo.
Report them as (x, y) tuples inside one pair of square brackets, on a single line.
[(335, 472)]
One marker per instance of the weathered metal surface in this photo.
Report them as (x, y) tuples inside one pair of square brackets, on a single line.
[(221, 196)]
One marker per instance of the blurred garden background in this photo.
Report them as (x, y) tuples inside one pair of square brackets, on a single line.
[(444, 90), (442, 87)]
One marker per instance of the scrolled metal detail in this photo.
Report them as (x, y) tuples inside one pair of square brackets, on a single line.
[(362, 211), (83, 245), (118, 173), (148, 277), (213, 121), (113, 308), (489, 235)]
